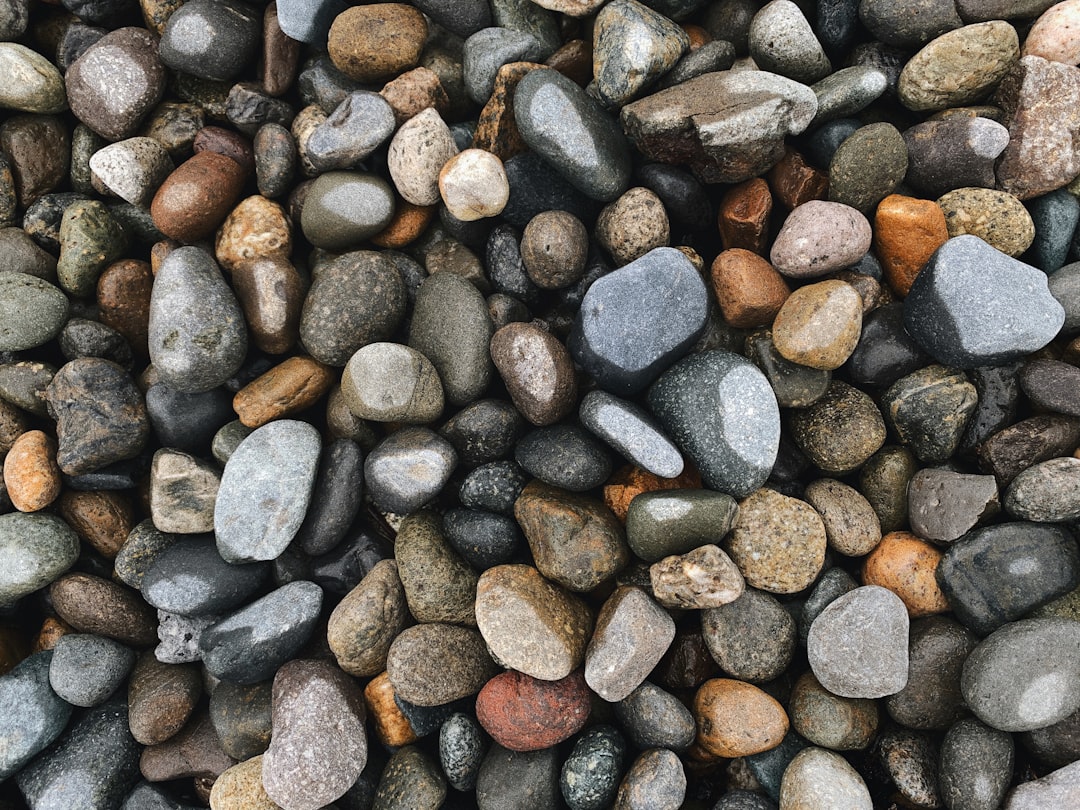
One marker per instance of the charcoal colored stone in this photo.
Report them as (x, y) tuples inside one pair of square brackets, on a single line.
[(190, 578), (564, 456)]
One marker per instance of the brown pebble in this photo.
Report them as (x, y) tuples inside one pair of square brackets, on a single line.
[(241, 788), (103, 519), (537, 371), (159, 251), (286, 389), (688, 663), (851, 525), (257, 228), (819, 325), (794, 181), (743, 217), (31, 475), (281, 55), (271, 294), (51, 631), (749, 290), (736, 719), (37, 148), (907, 231), (632, 225), (13, 648), (91, 604), (391, 727), (408, 223), (197, 196), (414, 91), (161, 698), (554, 247), (907, 565), (195, 751), (574, 60), (227, 142), (374, 42), (123, 298)]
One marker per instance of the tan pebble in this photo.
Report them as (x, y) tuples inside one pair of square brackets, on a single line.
[(496, 127), (51, 631), (906, 565), (851, 525), (288, 388), (375, 42), (417, 153), (414, 91), (819, 325), (554, 249), (996, 217), (703, 578), (257, 228), (633, 225), (391, 726), (31, 475), (736, 719), (473, 185), (241, 788), (778, 542)]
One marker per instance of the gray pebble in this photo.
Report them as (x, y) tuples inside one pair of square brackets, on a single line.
[(87, 669)]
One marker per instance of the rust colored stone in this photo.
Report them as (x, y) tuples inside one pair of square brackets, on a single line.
[(257, 228), (391, 727), (749, 290), (161, 698), (414, 91), (31, 475), (496, 128), (271, 293), (736, 719), (286, 389), (743, 217), (91, 604), (51, 631), (794, 181), (227, 142), (906, 233), (527, 714), (574, 60), (197, 196), (408, 223), (123, 298), (104, 519), (906, 565), (628, 482), (281, 55)]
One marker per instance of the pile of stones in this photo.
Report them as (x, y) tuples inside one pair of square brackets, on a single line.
[(539, 403)]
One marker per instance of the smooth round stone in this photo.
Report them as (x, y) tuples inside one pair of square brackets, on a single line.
[(417, 153), (211, 40), (847, 91), (439, 585), (484, 431), (778, 542), (973, 305), (461, 750), (1053, 38), (975, 765), (484, 539), (950, 153), (473, 185), (25, 384), (21, 254), (1054, 745), (656, 781), (564, 456), (132, 169), (342, 209), (513, 780), (148, 797), (537, 371), (85, 670), (932, 700), (885, 352), (336, 497), (621, 72), (996, 217), (662, 523), (388, 382), (410, 780), (795, 385), (819, 237), (836, 723), (197, 196), (782, 41), (240, 788), (868, 166), (433, 664), (737, 719), (819, 778), (357, 126), (570, 131), (703, 578), (265, 491), (186, 421), (33, 714), (94, 765), (831, 585), (196, 332), (631, 636), (1024, 675), (408, 469), (38, 548), (1013, 449), (32, 311), (736, 451), (819, 325), (494, 487), (1052, 384), (36, 85), (590, 775), (191, 579), (752, 638), (616, 336), (451, 327), (366, 621), (90, 239), (910, 760), (275, 159), (248, 645), (858, 645), (653, 718), (907, 28), (377, 42), (1056, 789), (959, 67), (355, 299), (1046, 492), (851, 525), (929, 410), (30, 474), (311, 762)]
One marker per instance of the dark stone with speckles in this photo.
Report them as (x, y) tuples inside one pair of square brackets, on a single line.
[(336, 498), (493, 487), (461, 750), (590, 775), (483, 538), (229, 33), (564, 456), (410, 781)]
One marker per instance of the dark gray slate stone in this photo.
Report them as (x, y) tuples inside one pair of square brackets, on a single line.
[(885, 351), (666, 522), (943, 505), (950, 153), (484, 539), (493, 487), (461, 17), (190, 578), (149, 797), (187, 422), (736, 448), (769, 766), (86, 669), (573, 133), (211, 39), (937, 648), (92, 767), (632, 432), (564, 456), (32, 715), (249, 645), (534, 188), (509, 780), (488, 50), (975, 765), (909, 26), (636, 321), (265, 491), (972, 305), (336, 497), (998, 574), (484, 431)]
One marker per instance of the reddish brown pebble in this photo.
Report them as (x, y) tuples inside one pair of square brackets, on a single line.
[(161, 698), (527, 714), (698, 35), (629, 482), (102, 519), (256, 229), (30, 472), (414, 91), (197, 196), (281, 55), (227, 142), (794, 181), (271, 294), (736, 719), (375, 42), (907, 565), (408, 223), (907, 231), (158, 252), (94, 605), (391, 726), (750, 292), (743, 217), (496, 128), (574, 60), (123, 298), (537, 371), (286, 389)]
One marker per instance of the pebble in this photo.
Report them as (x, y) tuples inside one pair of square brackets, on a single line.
[(488, 50), (439, 585), (950, 153), (1045, 492), (944, 505), (564, 456), (34, 715), (654, 718), (657, 45), (30, 473), (161, 699), (342, 209), (732, 460), (231, 36), (867, 167), (819, 325), (973, 306), (412, 780), (748, 289), (32, 311), (21, 254), (819, 237), (632, 225), (310, 762), (781, 41), (656, 780), (959, 67), (512, 780), (336, 497), (906, 566), (273, 469), (190, 578), (1023, 675), (90, 239), (39, 548), (484, 432), (1052, 385), (736, 719), (388, 382), (847, 91), (995, 217), (752, 638), (537, 370), (522, 713), (473, 185), (407, 469), (356, 127), (858, 647), (632, 634), (197, 196), (820, 778), (241, 716), (86, 670), (910, 760), (743, 214), (418, 152), (851, 525), (974, 765), (1051, 35), (183, 490), (589, 779), (256, 228), (132, 169), (1057, 788), (38, 86), (248, 645), (375, 43), (929, 409), (999, 573), (240, 788), (824, 719), (432, 664), (659, 524), (365, 623), (778, 542), (461, 750)]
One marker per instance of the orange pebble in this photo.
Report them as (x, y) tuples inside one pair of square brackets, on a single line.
[(906, 566), (31, 475), (391, 726), (906, 233), (408, 223), (743, 218), (287, 388), (794, 181), (736, 719), (749, 290)]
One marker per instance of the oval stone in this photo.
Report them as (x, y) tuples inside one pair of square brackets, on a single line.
[(343, 209), (36, 549), (32, 311)]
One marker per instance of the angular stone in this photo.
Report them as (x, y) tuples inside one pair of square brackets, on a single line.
[(621, 71)]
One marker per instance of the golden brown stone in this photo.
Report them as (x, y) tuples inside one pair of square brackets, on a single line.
[(375, 42), (197, 196), (281, 55), (91, 604), (271, 294), (408, 223), (241, 788), (749, 290), (736, 719), (123, 297), (574, 60), (906, 233), (51, 631), (257, 228), (286, 389), (227, 142), (819, 325), (104, 519), (31, 475), (906, 565), (743, 217), (159, 251), (496, 128), (391, 727)]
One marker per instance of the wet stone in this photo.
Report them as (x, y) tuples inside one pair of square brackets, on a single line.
[(795, 385), (839, 431), (1052, 384), (1046, 491), (522, 713), (951, 153), (781, 41), (590, 775), (653, 718), (564, 456), (752, 638), (484, 539), (461, 750), (484, 431), (408, 469), (186, 421), (34, 715), (537, 370), (388, 382), (851, 525), (737, 719), (659, 524), (161, 698), (494, 487), (190, 578), (342, 209), (818, 237), (910, 759)]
